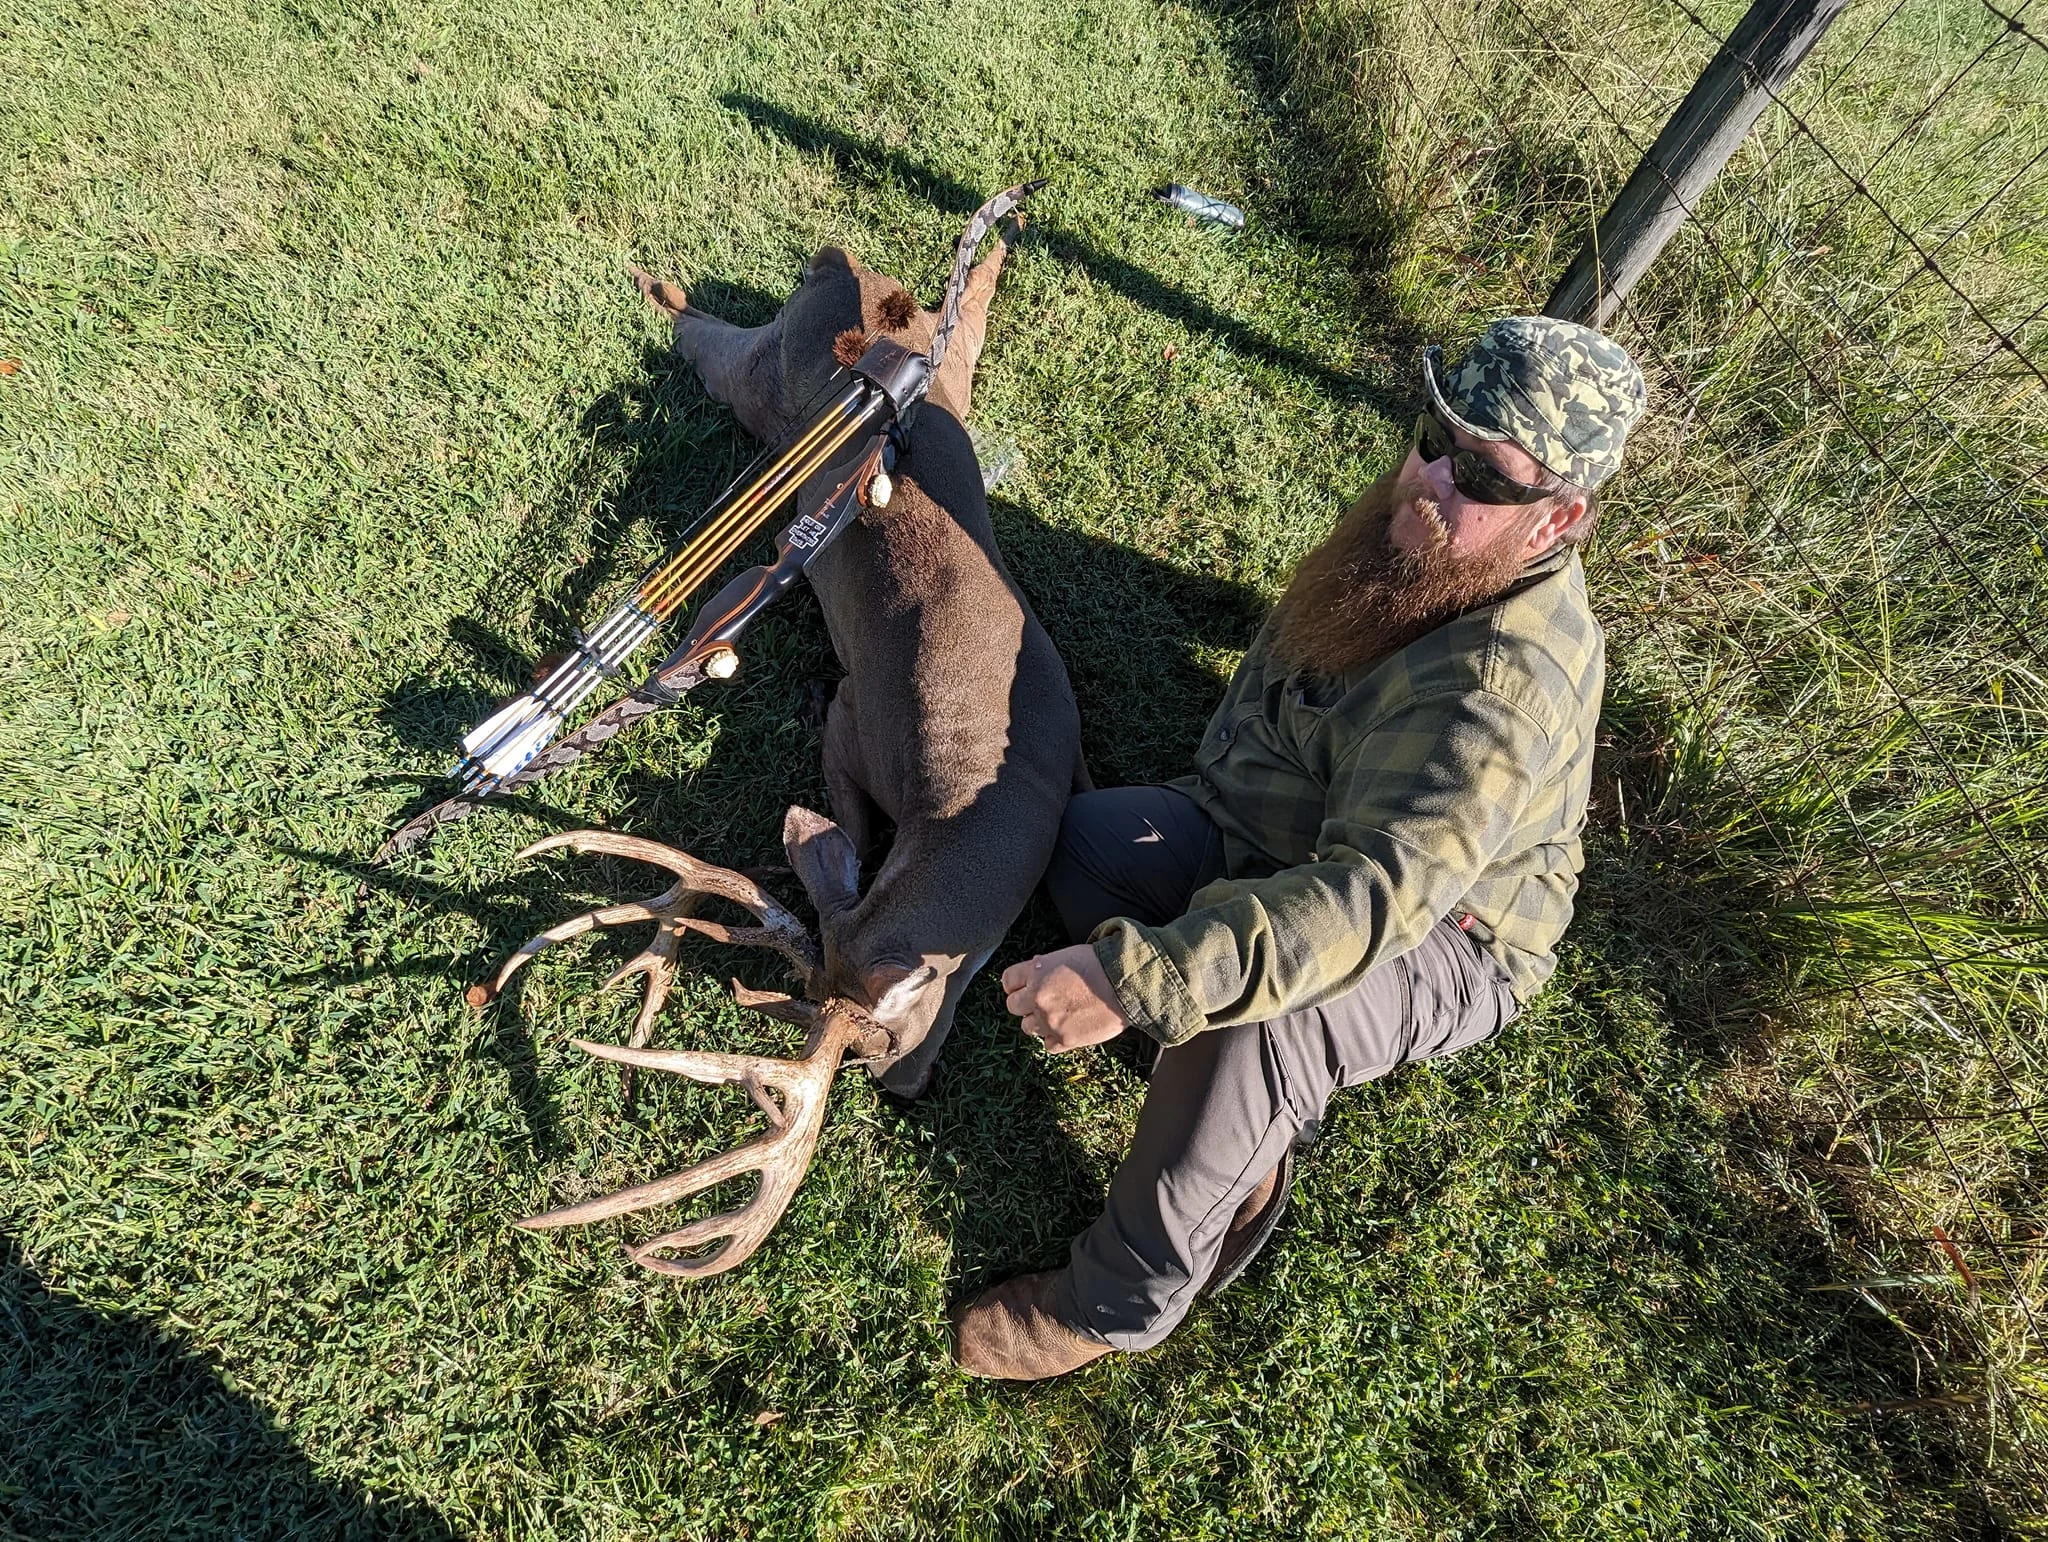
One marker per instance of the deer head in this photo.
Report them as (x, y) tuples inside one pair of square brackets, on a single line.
[(901, 987)]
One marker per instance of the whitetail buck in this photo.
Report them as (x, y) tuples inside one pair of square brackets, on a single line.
[(954, 725)]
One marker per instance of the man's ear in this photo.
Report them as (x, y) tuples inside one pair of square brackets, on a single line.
[(895, 989), (1556, 521), (822, 858)]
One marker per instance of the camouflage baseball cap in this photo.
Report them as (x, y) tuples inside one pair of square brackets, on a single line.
[(1563, 392)]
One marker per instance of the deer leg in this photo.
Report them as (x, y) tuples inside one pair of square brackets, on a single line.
[(740, 366), (852, 809), (953, 386)]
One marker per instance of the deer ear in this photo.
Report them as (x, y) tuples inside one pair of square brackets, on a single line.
[(822, 858), (895, 990)]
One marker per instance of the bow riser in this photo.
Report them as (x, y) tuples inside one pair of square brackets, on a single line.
[(502, 745)]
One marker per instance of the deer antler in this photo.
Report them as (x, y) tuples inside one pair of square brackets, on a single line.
[(672, 914), (781, 1156), (783, 1153), (778, 929)]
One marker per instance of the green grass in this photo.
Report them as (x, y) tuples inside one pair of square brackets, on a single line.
[(334, 408)]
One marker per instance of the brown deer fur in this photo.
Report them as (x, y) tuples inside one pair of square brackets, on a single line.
[(955, 722)]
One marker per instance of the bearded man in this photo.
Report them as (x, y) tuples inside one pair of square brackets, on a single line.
[(1374, 859)]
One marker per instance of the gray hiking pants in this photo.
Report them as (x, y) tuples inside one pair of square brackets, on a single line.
[(1222, 1108)]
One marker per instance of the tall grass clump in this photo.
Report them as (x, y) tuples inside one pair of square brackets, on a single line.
[(1822, 813)]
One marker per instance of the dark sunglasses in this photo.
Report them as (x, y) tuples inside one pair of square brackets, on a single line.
[(1471, 473)]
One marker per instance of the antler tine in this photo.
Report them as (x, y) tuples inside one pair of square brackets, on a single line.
[(575, 926), (781, 1155), (775, 1004), (658, 962), (778, 929)]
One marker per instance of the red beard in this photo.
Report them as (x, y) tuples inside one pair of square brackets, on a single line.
[(1355, 599)]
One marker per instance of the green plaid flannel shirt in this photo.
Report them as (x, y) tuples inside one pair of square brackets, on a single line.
[(1355, 815)]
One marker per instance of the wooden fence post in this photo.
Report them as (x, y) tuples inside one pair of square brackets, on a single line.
[(1759, 57)]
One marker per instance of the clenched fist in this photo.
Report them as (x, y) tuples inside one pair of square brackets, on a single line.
[(1064, 999)]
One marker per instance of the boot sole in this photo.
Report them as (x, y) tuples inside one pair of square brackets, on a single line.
[(1259, 1233)]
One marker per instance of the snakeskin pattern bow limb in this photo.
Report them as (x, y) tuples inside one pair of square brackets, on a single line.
[(676, 674), (984, 220)]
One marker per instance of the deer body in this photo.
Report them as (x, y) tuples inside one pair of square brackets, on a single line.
[(955, 722)]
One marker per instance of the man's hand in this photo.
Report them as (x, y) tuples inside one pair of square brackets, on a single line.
[(1064, 999)]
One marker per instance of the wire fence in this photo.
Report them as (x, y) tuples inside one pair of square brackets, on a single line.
[(1828, 563)]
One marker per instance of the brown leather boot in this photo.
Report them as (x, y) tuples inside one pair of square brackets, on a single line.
[(1253, 1224), (1009, 1332)]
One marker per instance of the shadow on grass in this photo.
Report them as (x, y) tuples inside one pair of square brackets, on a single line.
[(1131, 630), (109, 1428), (504, 910), (1663, 921), (658, 451), (866, 162)]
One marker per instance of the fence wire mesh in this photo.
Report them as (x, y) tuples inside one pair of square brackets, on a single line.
[(1825, 581)]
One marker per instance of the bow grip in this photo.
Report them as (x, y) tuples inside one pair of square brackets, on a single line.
[(725, 615), (903, 376)]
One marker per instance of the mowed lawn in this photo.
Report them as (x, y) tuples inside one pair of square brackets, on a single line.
[(329, 408)]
